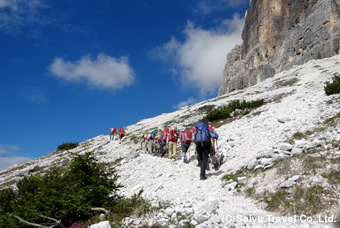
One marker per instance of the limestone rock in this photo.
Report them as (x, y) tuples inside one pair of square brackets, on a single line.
[(279, 34)]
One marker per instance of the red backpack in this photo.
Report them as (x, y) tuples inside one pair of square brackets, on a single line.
[(173, 136), (164, 135), (147, 136), (187, 136)]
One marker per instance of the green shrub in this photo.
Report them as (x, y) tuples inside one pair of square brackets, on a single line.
[(66, 196), (225, 111), (334, 86), (68, 146)]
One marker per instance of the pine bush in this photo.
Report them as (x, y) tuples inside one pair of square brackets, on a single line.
[(225, 111), (334, 86), (68, 146), (64, 195)]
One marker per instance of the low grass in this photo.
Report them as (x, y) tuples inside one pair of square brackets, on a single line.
[(302, 200), (277, 201), (331, 120), (307, 201), (286, 82)]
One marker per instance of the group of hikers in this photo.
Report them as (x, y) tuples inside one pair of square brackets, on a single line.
[(164, 144), (121, 134)]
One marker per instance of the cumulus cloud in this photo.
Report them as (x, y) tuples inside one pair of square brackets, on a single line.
[(201, 58), (104, 73), (15, 15), (8, 156)]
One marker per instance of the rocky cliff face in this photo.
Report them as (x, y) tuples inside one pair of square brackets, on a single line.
[(279, 34)]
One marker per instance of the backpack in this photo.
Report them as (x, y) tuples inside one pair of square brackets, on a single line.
[(211, 130), (187, 136), (164, 135), (202, 136), (173, 136), (152, 135), (216, 135), (113, 130), (147, 136)]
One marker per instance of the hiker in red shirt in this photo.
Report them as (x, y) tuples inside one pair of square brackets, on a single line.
[(112, 136), (186, 138), (163, 139), (172, 142), (121, 133)]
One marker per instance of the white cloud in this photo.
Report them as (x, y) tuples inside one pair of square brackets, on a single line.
[(182, 104), (104, 72), (6, 162), (8, 156), (201, 58), (7, 149), (15, 15)]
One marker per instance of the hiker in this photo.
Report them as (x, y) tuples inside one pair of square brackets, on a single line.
[(172, 142), (112, 130), (203, 143), (142, 140), (146, 140), (121, 133), (186, 138), (163, 139), (156, 145), (150, 142), (214, 137)]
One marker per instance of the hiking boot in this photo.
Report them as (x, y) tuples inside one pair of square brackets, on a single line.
[(203, 178)]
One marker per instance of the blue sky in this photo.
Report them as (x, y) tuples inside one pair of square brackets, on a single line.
[(71, 70)]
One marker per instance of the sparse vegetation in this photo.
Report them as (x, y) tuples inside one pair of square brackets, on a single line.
[(334, 86), (332, 119), (68, 146), (225, 111), (277, 200), (69, 195), (306, 201), (286, 82), (206, 108)]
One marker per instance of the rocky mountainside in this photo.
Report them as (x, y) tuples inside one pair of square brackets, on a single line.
[(279, 34), (281, 161)]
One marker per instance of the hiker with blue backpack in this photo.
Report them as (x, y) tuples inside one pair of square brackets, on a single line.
[(203, 142), (186, 138), (213, 148), (149, 141)]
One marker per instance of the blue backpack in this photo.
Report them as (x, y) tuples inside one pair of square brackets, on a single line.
[(216, 135), (202, 136), (152, 135)]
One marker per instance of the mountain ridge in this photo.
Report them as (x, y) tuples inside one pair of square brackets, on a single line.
[(295, 103)]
